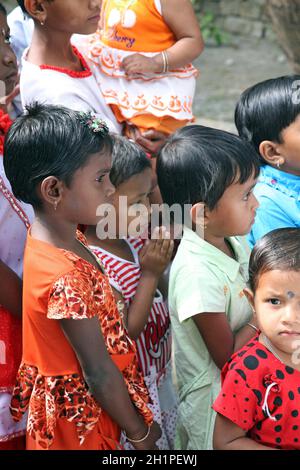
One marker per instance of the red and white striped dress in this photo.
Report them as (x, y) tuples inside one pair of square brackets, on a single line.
[(153, 344)]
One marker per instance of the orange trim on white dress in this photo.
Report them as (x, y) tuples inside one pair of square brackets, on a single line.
[(161, 95)]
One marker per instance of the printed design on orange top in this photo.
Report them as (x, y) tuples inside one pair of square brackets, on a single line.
[(122, 15)]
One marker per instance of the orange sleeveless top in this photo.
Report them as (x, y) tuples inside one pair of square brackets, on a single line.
[(135, 25)]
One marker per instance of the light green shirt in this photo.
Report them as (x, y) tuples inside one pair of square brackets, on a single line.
[(202, 279)]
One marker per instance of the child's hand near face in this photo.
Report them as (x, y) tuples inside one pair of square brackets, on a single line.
[(156, 254)]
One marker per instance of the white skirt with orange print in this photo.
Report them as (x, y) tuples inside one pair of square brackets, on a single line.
[(162, 101)]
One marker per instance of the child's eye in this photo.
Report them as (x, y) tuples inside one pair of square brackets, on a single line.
[(246, 197), (100, 179), (274, 301), (7, 39)]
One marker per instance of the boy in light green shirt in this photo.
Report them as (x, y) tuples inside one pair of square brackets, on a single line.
[(214, 172)]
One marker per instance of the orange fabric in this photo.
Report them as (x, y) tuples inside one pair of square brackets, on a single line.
[(165, 124), (104, 436), (60, 285), (44, 343), (149, 34)]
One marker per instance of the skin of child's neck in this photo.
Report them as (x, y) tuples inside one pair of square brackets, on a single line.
[(51, 227), (53, 49)]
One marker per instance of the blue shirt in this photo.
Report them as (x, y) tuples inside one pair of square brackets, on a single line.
[(278, 194)]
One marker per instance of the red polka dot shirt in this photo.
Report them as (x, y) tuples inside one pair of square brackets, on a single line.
[(261, 395)]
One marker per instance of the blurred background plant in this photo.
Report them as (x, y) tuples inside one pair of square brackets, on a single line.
[(209, 28)]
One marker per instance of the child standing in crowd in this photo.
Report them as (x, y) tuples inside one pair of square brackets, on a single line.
[(134, 269), (57, 71), (144, 48), (214, 172), (79, 376), (15, 218), (258, 406), (268, 116)]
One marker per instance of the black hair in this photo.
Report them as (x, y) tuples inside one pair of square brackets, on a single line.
[(3, 9), (21, 4), (279, 249), (267, 108), (198, 163), (128, 159), (48, 141)]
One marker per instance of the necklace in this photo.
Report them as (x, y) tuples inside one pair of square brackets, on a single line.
[(269, 346)]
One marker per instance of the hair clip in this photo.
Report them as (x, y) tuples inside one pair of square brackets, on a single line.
[(95, 124)]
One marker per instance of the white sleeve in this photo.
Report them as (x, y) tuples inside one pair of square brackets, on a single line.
[(157, 4)]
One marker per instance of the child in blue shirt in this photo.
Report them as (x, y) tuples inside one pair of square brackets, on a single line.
[(268, 116)]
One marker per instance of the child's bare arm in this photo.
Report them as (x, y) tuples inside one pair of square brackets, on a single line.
[(229, 436), (105, 380), (154, 258), (218, 336), (181, 18), (10, 290)]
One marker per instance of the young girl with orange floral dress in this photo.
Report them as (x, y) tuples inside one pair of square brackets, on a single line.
[(15, 218), (144, 49), (79, 377)]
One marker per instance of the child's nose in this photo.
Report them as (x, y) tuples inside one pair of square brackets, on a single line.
[(110, 189), (255, 202), (292, 313), (95, 3)]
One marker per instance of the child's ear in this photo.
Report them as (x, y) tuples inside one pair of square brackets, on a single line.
[(250, 297), (51, 190), (36, 9), (198, 216), (270, 153)]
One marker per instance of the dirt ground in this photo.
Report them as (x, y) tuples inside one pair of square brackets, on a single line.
[(228, 70)]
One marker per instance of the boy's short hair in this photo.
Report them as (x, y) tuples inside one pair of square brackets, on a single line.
[(47, 141), (278, 249), (267, 108), (198, 163), (128, 159)]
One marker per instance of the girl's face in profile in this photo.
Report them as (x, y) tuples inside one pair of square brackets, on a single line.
[(89, 189), (8, 62), (132, 204), (277, 307)]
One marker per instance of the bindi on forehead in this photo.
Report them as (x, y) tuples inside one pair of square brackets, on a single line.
[(290, 294)]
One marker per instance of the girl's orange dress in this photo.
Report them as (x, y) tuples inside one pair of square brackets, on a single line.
[(63, 415)]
